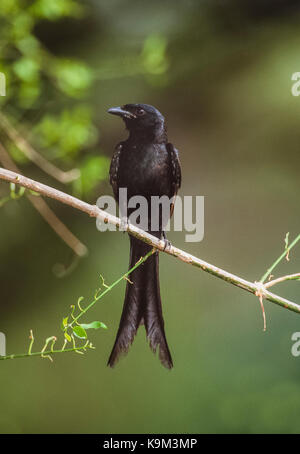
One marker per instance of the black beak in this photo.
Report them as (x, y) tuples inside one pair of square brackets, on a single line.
[(121, 113)]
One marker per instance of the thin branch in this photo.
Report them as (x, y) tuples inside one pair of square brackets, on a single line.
[(58, 226), (45, 211), (280, 258), (257, 288), (288, 277), (34, 156), (44, 354), (110, 287)]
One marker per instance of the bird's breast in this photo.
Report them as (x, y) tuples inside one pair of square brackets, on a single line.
[(145, 170)]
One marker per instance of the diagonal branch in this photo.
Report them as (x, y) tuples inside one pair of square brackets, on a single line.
[(257, 288)]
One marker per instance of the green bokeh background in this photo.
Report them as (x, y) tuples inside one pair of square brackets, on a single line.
[(224, 85)]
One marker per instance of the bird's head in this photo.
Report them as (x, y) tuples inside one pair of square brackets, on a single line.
[(141, 119)]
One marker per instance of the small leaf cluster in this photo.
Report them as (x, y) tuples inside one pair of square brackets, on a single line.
[(71, 327)]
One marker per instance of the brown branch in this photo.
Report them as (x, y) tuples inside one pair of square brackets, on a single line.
[(257, 288)]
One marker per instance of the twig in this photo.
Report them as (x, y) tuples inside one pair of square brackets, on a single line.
[(288, 277), (260, 293), (45, 211), (34, 156), (110, 287), (94, 211), (44, 353), (281, 257)]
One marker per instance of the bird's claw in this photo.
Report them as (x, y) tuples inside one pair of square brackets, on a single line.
[(167, 244), (124, 225)]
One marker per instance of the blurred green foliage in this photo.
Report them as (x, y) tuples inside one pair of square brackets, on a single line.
[(67, 133), (154, 54), (34, 74), (221, 74)]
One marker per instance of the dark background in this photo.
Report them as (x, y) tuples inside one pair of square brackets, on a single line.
[(223, 83)]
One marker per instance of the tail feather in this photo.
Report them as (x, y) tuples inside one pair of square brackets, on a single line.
[(153, 318), (131, 315), (142, 305)]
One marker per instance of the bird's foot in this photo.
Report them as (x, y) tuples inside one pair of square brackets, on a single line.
[(168, 243), (124, 224)]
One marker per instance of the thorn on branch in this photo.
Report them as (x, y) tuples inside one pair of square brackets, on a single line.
[(261, 293), (128, 280)]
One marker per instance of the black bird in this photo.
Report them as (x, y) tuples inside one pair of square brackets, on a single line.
[(147, 165)]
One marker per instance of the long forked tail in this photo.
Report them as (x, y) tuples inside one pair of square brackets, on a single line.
[(142, 305)]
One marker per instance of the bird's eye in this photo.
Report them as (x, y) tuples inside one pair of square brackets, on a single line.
[(140, 112)]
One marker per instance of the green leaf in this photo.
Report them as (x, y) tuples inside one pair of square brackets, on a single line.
[(64, 323), (68, 337), (93, 325), (28, 93), (26, 69), (21, 26), (79, 332), (36, 194), (55, 9), (93, 169), (16, 154), (28, 45), (12, 190), (70, 131), (154, 54), (13, 194), (73, 77)]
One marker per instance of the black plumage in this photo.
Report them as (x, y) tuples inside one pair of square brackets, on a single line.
[(146, 165)]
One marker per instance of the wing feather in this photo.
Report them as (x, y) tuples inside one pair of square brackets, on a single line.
[(175, 172), (114, 170)]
